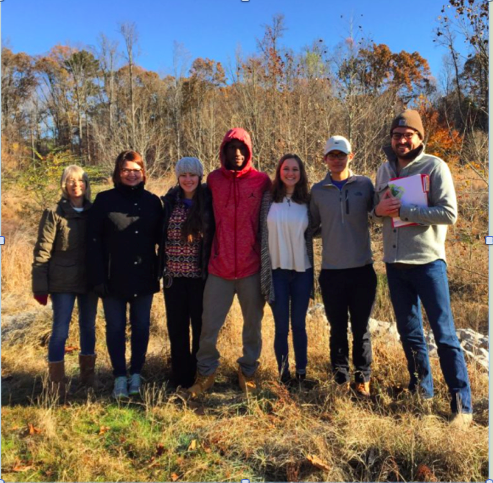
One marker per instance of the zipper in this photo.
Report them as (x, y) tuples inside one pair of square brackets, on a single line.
[(347, 202), (235, 237), (342, 206), (109, 267)]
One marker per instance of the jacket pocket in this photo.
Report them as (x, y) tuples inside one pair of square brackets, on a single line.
[(63, 274), (61, 243), (63, 262)]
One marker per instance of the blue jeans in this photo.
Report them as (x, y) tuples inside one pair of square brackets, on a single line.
[(291, 295), (63, 306), (429, 284), (115, 312)]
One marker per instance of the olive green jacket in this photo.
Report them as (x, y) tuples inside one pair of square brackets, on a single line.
[(60, 252)]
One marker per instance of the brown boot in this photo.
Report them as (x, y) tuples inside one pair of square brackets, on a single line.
[(362, 389), (56, 379), (202, 383), (248, 384), (87, 364)]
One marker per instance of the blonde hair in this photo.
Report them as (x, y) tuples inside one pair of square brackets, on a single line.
[(74, 170)]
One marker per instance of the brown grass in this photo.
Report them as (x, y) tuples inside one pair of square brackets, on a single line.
[(271, 437), (279, 435)]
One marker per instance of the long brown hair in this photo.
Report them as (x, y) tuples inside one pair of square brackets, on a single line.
[(194, 227), (278, 190), (124, 156)]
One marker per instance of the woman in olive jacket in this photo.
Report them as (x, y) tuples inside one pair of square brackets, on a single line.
[(59, 269), (124, 228)]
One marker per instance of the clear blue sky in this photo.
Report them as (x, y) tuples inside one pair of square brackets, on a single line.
[(215, 28)]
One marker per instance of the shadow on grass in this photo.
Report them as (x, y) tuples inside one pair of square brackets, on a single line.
[(27, 388)]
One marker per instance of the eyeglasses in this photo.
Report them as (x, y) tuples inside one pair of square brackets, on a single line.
[(75, 182), (396, 136), (127, 171), (339, 156)]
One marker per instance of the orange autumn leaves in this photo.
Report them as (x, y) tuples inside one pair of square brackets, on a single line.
[(442, 139)]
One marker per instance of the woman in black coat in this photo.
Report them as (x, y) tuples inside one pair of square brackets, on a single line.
[(124, 229), (185, 248)]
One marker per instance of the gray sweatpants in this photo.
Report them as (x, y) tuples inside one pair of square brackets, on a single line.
[(218, 298)]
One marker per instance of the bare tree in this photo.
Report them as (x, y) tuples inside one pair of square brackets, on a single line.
[(129, 33), (107, 53)]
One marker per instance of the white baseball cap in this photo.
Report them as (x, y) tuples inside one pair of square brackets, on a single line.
[(337, 143)]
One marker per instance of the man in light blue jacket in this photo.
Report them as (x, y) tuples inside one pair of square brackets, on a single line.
[(415, 262)]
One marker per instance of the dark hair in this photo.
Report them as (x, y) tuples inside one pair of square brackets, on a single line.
[(278, 189), (193, 226), (122, 158)]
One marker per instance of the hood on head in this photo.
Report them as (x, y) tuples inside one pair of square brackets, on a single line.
[(241, 135)]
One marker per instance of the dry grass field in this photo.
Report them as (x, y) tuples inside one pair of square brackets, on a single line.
[(300, 434)]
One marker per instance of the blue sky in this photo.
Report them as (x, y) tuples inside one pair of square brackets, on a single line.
[(215, 28)]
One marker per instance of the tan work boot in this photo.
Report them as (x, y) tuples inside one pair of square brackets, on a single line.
[(362, 389), (56, 379), (248, 384), (87, 364), (201, 384), (461, 420)]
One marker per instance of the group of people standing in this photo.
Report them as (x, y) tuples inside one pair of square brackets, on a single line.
[(242, 234)]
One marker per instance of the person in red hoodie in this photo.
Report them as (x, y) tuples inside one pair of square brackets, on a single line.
[(237, 189)]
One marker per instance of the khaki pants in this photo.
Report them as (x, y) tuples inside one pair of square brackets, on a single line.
[(218, 298)]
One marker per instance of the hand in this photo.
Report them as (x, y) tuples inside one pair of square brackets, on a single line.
[(101, 290), (388, 205), (41, 298)]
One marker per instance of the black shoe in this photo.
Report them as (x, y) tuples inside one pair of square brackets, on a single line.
[(285, 378), (300, 377)]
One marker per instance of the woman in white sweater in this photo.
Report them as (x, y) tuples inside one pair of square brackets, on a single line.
[(287, 260)]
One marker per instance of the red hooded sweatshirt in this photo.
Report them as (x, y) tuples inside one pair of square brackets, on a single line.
[(236, 199)]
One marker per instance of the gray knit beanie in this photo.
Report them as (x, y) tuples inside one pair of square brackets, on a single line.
[(189, 165), (409, 118)]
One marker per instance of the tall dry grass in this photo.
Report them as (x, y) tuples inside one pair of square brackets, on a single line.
[(316, 434)]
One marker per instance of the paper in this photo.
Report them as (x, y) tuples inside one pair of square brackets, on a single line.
[(412, 191)]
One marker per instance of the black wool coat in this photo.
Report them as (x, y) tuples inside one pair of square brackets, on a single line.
[(123, 232)]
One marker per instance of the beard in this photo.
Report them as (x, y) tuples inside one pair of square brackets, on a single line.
[(409, 156)]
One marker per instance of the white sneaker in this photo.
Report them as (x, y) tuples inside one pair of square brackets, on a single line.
[(120, 391), (134, 384)]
